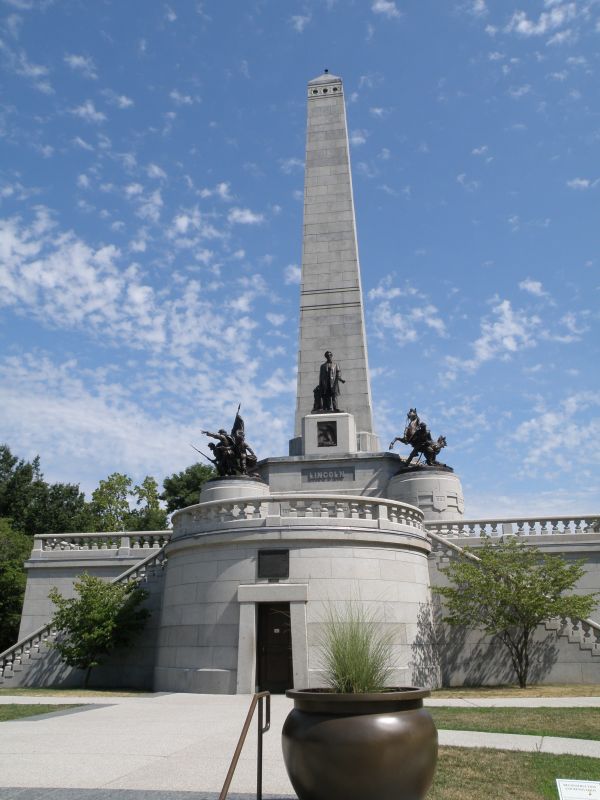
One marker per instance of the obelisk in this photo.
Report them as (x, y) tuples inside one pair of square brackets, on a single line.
[(331, 308)]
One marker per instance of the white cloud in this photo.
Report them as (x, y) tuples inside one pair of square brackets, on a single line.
[(222, 190), (19, 63), (181, 99), (289, 165), (468, 184), (118, 100), (550, 434), (480, 151), (79, 142), (516, 92), (358, 137), (59, 280), (505, 333), (580, 183), (154, 171), (244, 216), (408, 324), (293, 274), (276, 319), (83, 64), (87, 112), (533, 287), (548, 21), (300, 21), (170, 14), (387, 8)]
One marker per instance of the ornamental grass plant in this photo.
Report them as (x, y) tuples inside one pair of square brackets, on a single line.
[(356, 651)]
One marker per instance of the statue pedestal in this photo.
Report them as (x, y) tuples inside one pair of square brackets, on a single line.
[(329, 434), (436, 491), (232, 487)]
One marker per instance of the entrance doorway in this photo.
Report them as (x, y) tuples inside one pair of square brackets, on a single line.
[(274, 648)]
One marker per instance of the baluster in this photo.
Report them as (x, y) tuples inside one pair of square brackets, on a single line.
[(472, 528), (252, 510), (579, 526), (394, 513), (520, 528), (341, 508), (589, 635), (553, 525), (324, 508), (354, 512)]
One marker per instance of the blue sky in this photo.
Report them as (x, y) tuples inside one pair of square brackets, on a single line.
[(150, 230)]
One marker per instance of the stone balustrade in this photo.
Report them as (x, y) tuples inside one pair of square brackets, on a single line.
[(584, 632), (519, 526), (123, 542), (33, 645), (300, 509)]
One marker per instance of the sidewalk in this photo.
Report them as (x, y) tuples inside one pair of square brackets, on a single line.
[(166, 746)]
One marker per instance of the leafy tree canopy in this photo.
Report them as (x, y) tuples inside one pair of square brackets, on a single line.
[(509, 592), (15, 548), (149, 516), (35, 506), (110, 502), (101, 618), (183, 488)]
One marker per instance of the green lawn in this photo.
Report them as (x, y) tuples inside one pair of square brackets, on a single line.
[(14, 711), (575, 723), (557, 690), (478, 774)]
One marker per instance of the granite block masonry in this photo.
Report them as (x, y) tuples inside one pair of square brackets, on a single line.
[(331, 310)]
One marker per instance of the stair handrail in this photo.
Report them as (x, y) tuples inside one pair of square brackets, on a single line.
[(257, 699), (46, 629), (467, 554)]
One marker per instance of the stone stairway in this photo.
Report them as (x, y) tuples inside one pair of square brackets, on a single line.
[(585, 633), (38, 644), (581, 633)]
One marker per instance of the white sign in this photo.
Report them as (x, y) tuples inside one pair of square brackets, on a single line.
[(578, 790)]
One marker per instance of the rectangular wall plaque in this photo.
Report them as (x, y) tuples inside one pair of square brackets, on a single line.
[(273, 564), (328, 474)]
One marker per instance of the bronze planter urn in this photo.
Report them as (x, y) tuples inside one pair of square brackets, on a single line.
[(375, 746)]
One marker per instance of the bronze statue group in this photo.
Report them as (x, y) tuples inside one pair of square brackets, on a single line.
[(232, 455)]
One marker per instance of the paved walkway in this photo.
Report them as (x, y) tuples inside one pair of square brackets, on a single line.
[(168, 746)]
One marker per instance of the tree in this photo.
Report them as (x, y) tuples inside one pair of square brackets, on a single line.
[(103, 617), (15, 547), (183, 488), (150, 516), (35, 506), (110, 504), (509, 591)]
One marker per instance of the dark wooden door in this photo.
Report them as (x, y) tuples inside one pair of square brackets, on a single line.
[(274, 650)]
